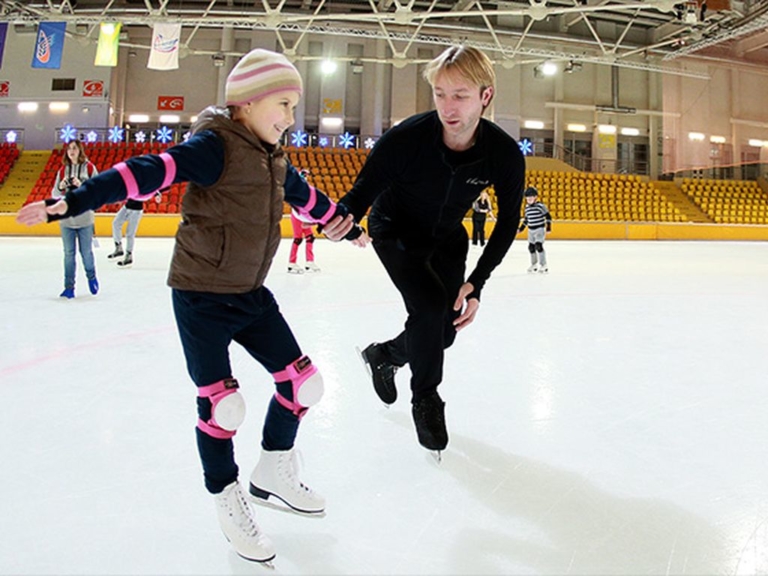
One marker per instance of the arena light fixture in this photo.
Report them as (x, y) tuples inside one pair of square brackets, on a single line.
[(331, 122), (549, 68), (328, 67), (545, 69)]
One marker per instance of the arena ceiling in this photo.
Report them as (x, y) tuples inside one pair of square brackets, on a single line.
[(650, 34)]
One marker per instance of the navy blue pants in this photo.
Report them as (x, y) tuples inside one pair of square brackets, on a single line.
[(428, 276), (207, 324)]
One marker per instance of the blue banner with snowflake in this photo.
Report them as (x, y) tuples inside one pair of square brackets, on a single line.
[(49, 45)]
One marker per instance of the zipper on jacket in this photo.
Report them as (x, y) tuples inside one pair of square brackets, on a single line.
[(272, 191), (447, 195)]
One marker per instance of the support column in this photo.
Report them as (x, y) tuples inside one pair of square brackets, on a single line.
[(735, 131), (654, 127), (604, 151), (227, 43), (333, 88)]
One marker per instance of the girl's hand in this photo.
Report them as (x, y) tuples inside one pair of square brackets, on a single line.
[(362, 240), (37, 212)]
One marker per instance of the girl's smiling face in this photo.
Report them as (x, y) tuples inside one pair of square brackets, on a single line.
[(269, 117)]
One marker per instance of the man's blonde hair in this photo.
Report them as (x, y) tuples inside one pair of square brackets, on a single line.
[(466, 61)]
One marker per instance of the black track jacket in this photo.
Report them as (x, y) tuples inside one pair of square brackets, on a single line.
[(419, 190)]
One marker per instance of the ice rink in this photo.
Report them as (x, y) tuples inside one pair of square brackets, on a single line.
[(608, 418)]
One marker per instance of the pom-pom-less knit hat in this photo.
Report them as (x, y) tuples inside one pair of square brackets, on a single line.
[(258, 74)]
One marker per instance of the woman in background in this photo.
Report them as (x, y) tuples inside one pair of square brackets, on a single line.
[(76, 230)]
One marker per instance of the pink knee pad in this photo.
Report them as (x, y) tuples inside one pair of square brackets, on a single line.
[(306, 382), (227, 408)]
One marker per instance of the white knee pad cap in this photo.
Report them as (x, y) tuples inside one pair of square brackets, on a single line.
[(306, 385), (310, 391), (227, 408), (229, 412)]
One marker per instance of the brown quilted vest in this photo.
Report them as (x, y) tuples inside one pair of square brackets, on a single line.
[(230, 230)]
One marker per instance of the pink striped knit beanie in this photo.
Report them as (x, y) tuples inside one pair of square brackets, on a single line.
[(258, 74)]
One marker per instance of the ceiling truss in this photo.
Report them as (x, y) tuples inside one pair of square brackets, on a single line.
[(645, 35)]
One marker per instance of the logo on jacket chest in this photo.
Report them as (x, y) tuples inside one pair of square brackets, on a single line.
[(478, 182)]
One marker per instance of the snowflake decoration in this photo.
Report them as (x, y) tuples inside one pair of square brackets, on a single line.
[(347, 140), (11, 137), (91, 137), (299, 138), (115, 134), (323, 141), (140, 137), (68, 133), (369, 142), (186, 136), (165, 134), (526, 146)]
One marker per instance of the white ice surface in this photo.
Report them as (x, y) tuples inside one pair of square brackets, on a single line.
[(608, 418)]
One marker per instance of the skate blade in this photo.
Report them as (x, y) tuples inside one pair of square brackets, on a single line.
[(368, 371), (266, 563), (277, 503)]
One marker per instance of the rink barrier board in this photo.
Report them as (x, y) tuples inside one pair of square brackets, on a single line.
[(162, 226)]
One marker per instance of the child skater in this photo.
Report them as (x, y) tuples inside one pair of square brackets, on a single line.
[(130, 212), (539, 222), (238, 177), (302, 230)]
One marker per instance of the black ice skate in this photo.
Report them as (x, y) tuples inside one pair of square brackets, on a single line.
[(382, 373), (126, 262), (118, 251), (429, 418)]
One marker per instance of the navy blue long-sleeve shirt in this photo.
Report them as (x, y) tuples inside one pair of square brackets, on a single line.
[(200, 159)]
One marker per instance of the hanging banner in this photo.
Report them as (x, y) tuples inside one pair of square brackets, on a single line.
[(164, 54), (3, 34), (49, 45), (109, 40)]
